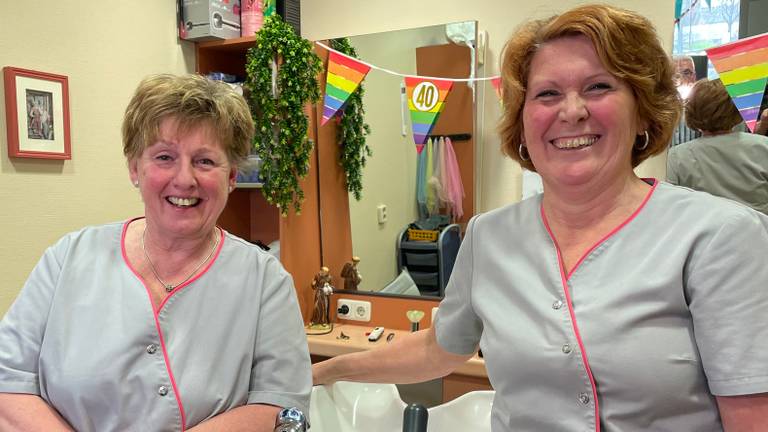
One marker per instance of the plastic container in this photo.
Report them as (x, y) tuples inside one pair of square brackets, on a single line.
[(422, 235), (251, 17), (249, 170)]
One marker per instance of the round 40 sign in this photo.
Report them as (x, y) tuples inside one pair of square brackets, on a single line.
[(425, 96)]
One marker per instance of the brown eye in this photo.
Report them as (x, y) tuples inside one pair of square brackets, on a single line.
[(546, 93), (600, 86)]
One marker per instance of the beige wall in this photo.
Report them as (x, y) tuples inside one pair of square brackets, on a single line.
[(104, 49), (500, 179)]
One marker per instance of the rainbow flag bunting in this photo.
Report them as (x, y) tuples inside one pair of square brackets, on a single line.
[(426, 100), (344, 76), (743, 69)]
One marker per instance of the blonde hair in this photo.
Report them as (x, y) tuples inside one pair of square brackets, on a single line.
[(628, 47), (193, 101), (709, 107)]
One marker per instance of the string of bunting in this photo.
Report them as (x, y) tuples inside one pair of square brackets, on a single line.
[(426, 95)]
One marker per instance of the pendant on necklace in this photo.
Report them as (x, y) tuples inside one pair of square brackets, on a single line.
[(169, 288)]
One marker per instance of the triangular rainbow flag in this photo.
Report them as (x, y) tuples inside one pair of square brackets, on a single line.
[(743, 69), (426, 100), (344, 76)]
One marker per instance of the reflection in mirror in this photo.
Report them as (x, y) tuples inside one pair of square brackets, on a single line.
[(389, 178)]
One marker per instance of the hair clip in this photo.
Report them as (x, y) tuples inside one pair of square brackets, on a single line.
[(342, 336), (390, 337)]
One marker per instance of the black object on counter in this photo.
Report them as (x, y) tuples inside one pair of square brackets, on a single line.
[(415, 418)]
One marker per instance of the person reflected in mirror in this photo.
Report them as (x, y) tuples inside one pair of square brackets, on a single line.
[(685, 74), (605, 295), (723, 162), (351, 274), (164, 321), (321, 284), (685, 77)]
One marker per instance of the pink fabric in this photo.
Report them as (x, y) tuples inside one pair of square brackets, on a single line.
[(454, 189)]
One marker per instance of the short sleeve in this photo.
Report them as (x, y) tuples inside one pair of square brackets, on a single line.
[(727, 287), (282, 372), (23, 327), (457, 327)]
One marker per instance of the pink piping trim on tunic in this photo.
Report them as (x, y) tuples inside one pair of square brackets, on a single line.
[(205, 269), (564, 280), (155, 312)]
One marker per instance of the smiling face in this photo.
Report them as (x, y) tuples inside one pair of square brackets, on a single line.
[(579, 121), (184, 178)]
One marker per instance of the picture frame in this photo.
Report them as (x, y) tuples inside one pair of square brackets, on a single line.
[(37, 114)]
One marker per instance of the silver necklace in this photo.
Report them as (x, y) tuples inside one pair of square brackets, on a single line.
[(170, 287)]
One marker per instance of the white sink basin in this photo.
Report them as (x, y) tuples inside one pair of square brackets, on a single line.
[(360, 407)]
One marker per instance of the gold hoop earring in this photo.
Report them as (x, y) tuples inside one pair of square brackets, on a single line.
[(645, 144), (520, 153)]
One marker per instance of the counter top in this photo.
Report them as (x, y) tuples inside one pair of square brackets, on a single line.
[(330, 345)]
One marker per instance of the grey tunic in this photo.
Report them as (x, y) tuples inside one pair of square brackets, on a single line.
[(655, 319), (733, 165), (84, 336)]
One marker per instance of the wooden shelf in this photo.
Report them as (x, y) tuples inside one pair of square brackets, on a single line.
[(226, 56), (237, 44)]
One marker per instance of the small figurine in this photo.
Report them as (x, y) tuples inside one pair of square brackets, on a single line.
[(351, 274), (321, 283)]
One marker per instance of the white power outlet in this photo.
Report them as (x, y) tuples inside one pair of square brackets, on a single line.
[(381, 213), (354, 310)]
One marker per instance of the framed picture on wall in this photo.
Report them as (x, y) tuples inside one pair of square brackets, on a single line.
[(37, 114)]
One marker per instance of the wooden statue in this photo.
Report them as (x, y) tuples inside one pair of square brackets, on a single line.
[(351, 274), (321, 284)]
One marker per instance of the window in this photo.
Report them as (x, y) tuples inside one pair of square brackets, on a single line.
[(703, 26)]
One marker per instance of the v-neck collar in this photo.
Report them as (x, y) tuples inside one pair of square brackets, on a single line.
[(565, 276)]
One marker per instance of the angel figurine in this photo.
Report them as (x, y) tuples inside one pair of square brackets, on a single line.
[(351, 274), (321, 284)]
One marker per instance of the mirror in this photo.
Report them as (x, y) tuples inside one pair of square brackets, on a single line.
[(389, 177)]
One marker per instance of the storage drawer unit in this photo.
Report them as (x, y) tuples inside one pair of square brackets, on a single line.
[(429, 263)]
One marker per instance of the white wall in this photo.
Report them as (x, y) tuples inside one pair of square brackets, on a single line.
[(500, 178), (105, 49)]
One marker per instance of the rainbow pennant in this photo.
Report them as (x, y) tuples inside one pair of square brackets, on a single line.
[(426, 100), (344, 76), (743, 69)]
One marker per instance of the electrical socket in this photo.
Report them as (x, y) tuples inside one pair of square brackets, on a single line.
[(355, 310), (381, 213)]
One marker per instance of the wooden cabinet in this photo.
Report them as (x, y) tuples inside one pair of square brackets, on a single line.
[(247, 214)]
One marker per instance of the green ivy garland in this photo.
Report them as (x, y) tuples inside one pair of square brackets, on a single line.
[(352, 130), (281, 125)]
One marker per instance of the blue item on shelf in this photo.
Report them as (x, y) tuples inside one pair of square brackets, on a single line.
[(221, 76)]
